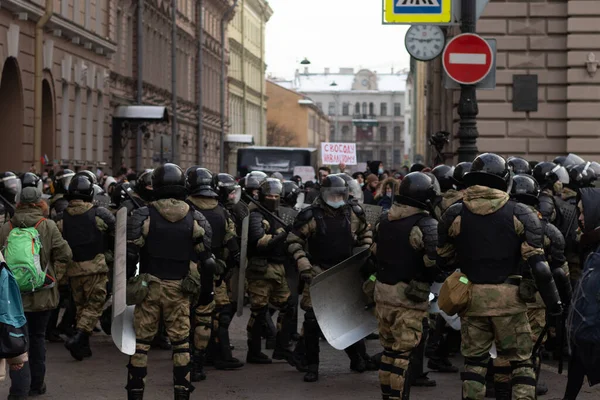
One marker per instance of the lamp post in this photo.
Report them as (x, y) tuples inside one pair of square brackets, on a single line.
[(336, 98)]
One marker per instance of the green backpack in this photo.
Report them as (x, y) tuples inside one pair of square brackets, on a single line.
[(22, 255)]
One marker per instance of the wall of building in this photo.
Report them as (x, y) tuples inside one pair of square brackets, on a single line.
[(553, 40), (283, 109)]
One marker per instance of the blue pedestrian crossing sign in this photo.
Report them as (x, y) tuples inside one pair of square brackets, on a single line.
[(417, 11)]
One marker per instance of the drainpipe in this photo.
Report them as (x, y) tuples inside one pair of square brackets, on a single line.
[(174, 81), (140, 80), (224, 22), (261, 131), (199, 79), (37, 90)]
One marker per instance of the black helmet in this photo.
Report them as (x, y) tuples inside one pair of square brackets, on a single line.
[(417, 167), (519, 165), (90, 174), (227, 188), (547, 173), (560, 160), (277, 175), (334, 191), (489, 170), (291, 192), (143, 185), (253, 180), (354, 189), (525, 189), (10, 186), (29, 179), (81, 187), (581, 176), (168, 181), (417, 189), (532, 164), (61, 181), (460, 171), (270, 187), (200, 182), (443, 174), (572, 159), (117, 196)]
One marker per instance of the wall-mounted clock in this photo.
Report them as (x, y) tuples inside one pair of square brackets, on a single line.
[(425, 42)]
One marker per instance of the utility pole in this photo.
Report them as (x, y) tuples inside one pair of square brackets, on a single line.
[(467, 105)]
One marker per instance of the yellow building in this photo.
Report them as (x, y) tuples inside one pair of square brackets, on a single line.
[(247, 88)]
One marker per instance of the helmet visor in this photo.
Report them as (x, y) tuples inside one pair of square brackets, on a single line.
[(12, 187), (334, 194), (300, 200), (573, 159), (562, 174), (234, 194)]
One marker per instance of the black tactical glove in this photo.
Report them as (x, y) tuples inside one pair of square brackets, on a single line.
[(306, 276)]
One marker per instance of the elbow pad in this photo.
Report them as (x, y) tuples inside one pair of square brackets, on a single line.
[(545, 283), (209, 266), (233, 246), (563, 285)]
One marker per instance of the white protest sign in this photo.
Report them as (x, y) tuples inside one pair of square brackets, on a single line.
[(335, 153), (307, 173)]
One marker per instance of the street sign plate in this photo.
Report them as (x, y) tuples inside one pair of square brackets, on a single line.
[(487, 83), (467, 58), (417, 11)]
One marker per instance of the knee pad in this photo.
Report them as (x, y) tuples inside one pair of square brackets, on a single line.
[(136, 377)]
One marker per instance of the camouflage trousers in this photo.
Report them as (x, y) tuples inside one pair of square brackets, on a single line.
[(512, 336), (89, 296), (206, 317), (400, 332), (165, 297), (537, 321), (265, 292)]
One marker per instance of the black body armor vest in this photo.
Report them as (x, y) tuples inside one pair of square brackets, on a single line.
[(333, 242), (169, 246), (488, 248), (397, 260), (82, 233)]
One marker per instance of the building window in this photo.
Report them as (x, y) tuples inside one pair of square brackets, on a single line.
[(397, 110), (371, 109), (346, 109), (320, 106), (357, 108), (383, 156), (89, 126), (397, 133), (345, 130), (332, 110), (383, 133), (383, 109), (364, 108), (397, 157), (77, 125)]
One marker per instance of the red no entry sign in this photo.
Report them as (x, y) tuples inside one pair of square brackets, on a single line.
[(468, 58)]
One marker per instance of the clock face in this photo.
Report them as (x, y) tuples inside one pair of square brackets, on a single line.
[(365, 82), (425, 42)]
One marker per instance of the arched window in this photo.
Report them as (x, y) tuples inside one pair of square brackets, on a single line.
[(364, 108), (371, 109), (357, 108)]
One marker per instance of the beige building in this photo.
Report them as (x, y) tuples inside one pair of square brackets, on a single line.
[(293, 120), (247, 87), (73, 56), (558, 43)]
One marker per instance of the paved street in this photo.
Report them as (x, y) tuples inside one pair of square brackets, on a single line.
[(103, 377)]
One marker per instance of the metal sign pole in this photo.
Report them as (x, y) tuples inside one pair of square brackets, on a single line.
[(467, 105)]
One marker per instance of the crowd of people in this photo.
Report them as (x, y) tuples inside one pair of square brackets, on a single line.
[(507, 241)]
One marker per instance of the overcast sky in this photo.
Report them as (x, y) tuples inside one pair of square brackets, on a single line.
[(333, 34)]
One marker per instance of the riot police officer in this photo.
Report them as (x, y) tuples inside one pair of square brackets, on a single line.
[(292, 195), (86, 228), (334, 230), (519, 165), (160, 237), (213, 311), (551, 177), (493, 236), (445, 177), (266, 277), (406, 240), (10, 188)]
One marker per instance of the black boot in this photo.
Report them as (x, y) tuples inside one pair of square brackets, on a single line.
[(541, 389), (255, 355), (182, 394), (76, 345), (270, 331), (441, 365), (312, 373), (283, 339), (357, 363), (224, 359), (298, 355), (86, 350), (197, 373), (135, 394)]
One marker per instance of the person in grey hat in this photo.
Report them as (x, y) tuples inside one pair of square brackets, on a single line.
[(32, 211)]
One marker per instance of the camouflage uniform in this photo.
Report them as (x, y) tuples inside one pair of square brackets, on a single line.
[(400, 318), (165, 296), (307, 230), (214, 308), (88, 278), (449, 197), (496, 313)]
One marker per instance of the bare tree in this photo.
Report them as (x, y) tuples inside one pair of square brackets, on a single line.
[(280, 135)]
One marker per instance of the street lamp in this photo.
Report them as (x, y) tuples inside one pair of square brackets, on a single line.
[(336, 97), (305, 61)]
